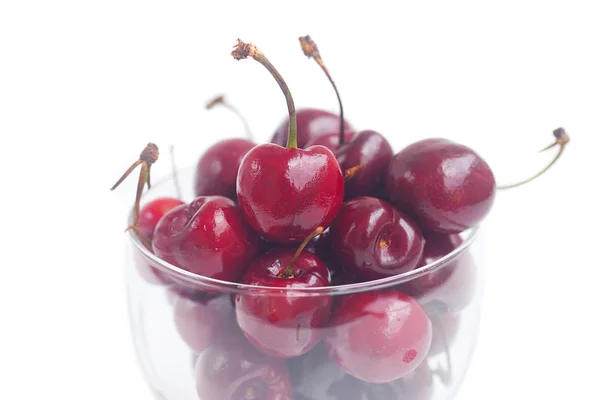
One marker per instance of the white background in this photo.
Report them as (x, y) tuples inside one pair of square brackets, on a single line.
[(84, 85)]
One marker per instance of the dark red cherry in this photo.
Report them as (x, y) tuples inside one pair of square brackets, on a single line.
[(286, 193), (312, 123), (378, 336), (373, 239), (330, 140), (287, 324), (445, 185), (451, 287), (217, 169), (234, 370), (373, 153), (208, 237), (153, 211), (201, 320)]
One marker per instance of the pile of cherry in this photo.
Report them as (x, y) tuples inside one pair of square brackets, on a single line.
[(321, 205)]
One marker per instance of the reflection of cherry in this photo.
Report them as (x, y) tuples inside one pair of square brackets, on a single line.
[(444, 327), (200, 321), (378, 336), (232, 369), (453, 286)]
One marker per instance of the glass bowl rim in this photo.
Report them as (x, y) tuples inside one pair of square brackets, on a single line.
[(198, 281)]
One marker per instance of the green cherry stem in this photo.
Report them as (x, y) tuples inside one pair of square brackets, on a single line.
[(287, 272), (561, 140), (244, 50), (310, 49)]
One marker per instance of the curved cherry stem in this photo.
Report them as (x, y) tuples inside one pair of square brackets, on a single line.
[(350, 172), (174, 172), (561, 140), (244, 50), (445, 374), (287, 272), (148, 157), (220, 100), (310, 49)]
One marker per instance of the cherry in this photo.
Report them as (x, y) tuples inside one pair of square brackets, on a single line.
[(446, 186), (232, 369), (373, 153), (373, 239), (305, 187), (445, 327), (152, 212), (451, 287), (284, 325), (208, 237), (312, 123), (201, 319), (330, 140), (217, 168), (378, 336)]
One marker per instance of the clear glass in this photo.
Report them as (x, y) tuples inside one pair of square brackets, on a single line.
[(190, 347)]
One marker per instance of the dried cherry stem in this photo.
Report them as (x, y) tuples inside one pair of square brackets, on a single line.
[(350, 172), (310, 49), (144, 239), (445, 374), (561, 140), (287, 272), (148, 157), (220, 100), (244, 50), (174, 172)]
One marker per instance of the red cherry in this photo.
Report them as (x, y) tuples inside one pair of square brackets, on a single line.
[(312, 123), (208, 237), (217, 169), (373, 153), (286, 193), (378, 336), (446, 186), (330, 140), (234, 370), (153, 211), (373, 239), (201, 320), (454, 285), (284, 325)]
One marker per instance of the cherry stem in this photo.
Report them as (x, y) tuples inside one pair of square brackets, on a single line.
[(350, 172), (220, 100), (174, 172), (561, 140), (310, 49), (287, 272), (244, 50), (145, 239), (148, 157)]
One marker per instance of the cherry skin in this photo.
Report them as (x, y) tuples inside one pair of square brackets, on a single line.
[(330, 140), (371, 150), (232, 369), (373, 239), (312, 123), (452, 287), (284, 325), (380, 336), (286, 193), (446, 186), (217, 169), (201, 320), (149, 216), (208, 237), (152, 212)]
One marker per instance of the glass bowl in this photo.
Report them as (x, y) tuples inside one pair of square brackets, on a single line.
[(394, 346)]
